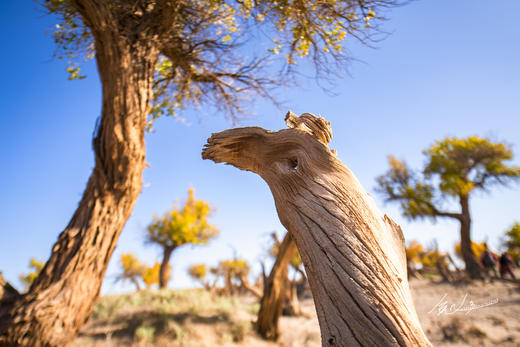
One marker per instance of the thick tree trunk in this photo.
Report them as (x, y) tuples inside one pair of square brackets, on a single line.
[(473, 268), (272, 301), (62, 297), (164, 275), (354, 256)]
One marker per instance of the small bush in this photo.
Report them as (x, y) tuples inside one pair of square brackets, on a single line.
[(239, 330), (145, 333), (107, 308), (254, 308), (173, 328)]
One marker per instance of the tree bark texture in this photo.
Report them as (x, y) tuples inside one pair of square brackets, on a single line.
[(353, 255), (473, 268), (271, 304), (62, 297), (163, 270)]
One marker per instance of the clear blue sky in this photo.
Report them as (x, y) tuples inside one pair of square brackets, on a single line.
[(448, 68)]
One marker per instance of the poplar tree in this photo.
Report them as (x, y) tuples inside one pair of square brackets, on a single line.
[(157, 57), (179, 227), (455, 168)]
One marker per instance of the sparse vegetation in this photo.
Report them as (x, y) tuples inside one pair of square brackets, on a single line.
[(145, 333), (239, 330), (151, 317), (195, 318)]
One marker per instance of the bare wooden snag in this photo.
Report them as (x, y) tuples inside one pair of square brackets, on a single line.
[(272, 300), (354, 256)]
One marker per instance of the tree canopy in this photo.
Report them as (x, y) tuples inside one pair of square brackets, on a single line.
[(454, 168), (206, 54), (477, 247), (234, 267), (198, 272), (181, 226), (512, 241), (150, 275), (414, 252), (132, 269)]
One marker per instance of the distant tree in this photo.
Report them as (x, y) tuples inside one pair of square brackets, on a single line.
[(132, 269), (235, 272), (512, 241), (178, 227), (455, 167), (276, 287), (150, 275), (198, 272), (414, 252), (29, 278), (432, 260), (155, 57), (291, 305), (296, 260)]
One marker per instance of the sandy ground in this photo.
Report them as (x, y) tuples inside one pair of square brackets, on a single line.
[(477, 314), (484, 314)]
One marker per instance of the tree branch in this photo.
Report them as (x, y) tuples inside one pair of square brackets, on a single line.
[(7, 292), (96, 14), (437, 213), (162, 17)]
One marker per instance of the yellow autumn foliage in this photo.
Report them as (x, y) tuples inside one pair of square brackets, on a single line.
[(180, 226), (478, 249)]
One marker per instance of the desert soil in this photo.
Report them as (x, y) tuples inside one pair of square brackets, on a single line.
[(477, 314)]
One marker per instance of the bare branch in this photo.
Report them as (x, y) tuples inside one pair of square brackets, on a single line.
[(7, 292)]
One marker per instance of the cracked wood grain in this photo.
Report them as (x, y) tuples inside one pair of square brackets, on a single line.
[(353, 255)]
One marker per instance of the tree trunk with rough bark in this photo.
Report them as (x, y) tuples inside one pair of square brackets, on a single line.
[(473, 267), (353, 255), (164, 275), (62, 297), (271, 304)]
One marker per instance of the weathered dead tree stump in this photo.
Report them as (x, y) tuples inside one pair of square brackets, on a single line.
[(275, 290), (353, 255)]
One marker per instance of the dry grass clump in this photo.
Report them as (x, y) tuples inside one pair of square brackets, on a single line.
[(166, 317)]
